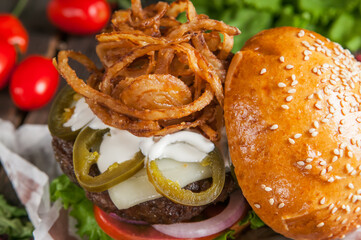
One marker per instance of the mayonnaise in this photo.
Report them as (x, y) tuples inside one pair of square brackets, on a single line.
[(83, 116), (179, 153)]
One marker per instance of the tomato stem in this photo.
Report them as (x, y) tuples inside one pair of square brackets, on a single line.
[(20, 6)]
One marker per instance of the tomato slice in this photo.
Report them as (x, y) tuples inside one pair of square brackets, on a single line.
[(126, 231)]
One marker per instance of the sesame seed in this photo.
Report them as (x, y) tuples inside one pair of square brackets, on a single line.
[(307, 52), (257, 205), (318, 105), (294, 83), (281, 205), (338, 218), (305, 43), (314, 70), (349, 168), (289, 98), (359, 191), (301, 33), (301, 163), (351, 186), (306, 58), (323, 172), (291, 141), (336, 151), (334, 159), (325, 120), (271, 201), (316, 124), (308, 166), (314, 134), (312, 36), (285, 106), (292, 90), (321, 224), (322, 163), (329, 169), (344, 221), (312, 130), (330, 180), (350, 154), (357, 209), (268, 189), (298, 135), (343, 145), (323, 200), (353, 173), (334, 210), (331, 206), (281, 85), (293, 77), (310, 96), (274, 127), (309, 160), (289, 67), (354, 198)]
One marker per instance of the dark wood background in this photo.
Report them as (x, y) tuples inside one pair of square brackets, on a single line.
[(46, 40)]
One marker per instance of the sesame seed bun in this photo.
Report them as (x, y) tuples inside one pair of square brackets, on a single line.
[(293, 119)]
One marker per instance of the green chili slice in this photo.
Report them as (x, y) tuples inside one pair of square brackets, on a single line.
[(60, 113), (174, 192), (86, 153)]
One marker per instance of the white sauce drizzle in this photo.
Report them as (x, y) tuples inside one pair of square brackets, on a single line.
[(186, 148)]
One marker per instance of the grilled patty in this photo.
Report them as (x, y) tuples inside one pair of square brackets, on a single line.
[(161, 210)]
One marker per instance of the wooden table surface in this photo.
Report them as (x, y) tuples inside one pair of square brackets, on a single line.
[(45, 40)]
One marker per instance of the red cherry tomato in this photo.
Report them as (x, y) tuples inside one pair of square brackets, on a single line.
[(7, 61), (13, 31), (126, 231), (33, 83), (79, 16)]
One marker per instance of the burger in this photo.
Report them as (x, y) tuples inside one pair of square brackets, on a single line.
[(144, 135), (145, 138)]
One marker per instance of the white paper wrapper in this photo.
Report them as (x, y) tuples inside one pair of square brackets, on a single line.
[(28, 160), (27, 157)]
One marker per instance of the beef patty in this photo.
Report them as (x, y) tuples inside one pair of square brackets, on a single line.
[(161, 210)]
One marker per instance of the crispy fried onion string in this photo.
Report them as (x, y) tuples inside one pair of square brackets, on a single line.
[(160, 75)]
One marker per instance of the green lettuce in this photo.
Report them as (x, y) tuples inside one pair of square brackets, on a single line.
[(14, 222), (335, 19), (252, 219), (73, 197)]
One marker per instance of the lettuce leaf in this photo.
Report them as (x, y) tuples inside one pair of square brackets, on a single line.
[(73, 197), (14, 222), (254, 221)]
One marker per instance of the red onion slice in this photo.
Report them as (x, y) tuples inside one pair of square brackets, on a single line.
[(218, 223)]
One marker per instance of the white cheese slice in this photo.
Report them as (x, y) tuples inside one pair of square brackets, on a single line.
[(138, 189)]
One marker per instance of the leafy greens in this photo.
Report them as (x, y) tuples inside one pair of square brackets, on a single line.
[(14, 222), (74, 197)]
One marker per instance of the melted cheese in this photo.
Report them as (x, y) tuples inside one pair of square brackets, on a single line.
[(180, 155)]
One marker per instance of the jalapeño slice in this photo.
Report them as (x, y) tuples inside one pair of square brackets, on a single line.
[(86, 153), (60, 113), (174, 192)]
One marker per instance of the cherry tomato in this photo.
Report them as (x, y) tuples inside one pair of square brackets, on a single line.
[(33, 83), (13, 31), (79, 16), (126, 231), (7, 61)]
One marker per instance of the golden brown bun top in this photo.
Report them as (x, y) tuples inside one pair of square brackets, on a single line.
[(292, 111)]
